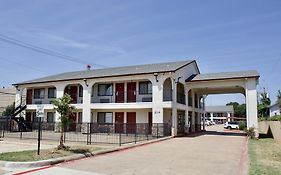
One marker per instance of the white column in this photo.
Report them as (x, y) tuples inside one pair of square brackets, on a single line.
[(60, 92), (18, 96), (174, 109), (193, 111), (251, 103), (157, 98), (86, 112), (212, 116), (228, 117)]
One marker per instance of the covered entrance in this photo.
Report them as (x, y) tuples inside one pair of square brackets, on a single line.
[(244, 82)]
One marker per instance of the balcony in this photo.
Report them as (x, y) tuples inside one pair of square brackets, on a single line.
[(43, 95), (122, 97)]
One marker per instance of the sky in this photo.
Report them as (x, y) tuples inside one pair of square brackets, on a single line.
[(221, 35)]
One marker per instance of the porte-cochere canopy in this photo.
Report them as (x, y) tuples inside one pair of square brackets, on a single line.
[(244, 82)]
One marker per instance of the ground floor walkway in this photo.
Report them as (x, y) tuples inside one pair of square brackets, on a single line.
[(216, 152)]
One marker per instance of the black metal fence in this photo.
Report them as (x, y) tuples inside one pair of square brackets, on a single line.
[(109, 133)]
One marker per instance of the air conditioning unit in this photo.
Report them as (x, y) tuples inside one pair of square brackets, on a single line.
[(104, 100), (38, 102), (147, 99)]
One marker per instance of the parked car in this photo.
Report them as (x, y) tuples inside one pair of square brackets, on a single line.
[(231, 125)]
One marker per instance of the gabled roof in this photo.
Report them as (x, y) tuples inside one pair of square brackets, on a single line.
[(223, 76), (113, 72)]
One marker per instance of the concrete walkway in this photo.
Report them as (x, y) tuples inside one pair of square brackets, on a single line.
[(212, 153)]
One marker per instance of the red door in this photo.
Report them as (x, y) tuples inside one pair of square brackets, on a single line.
[(131, 92), (119, 122), (72, 126), (72, 91), (149, 122), (119, 93), (131, 122), (29, 96)]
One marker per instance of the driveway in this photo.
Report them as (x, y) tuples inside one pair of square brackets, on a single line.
[(212, 153)]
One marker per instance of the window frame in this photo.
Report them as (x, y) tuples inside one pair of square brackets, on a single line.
[(53, 116), (105, 122), (80, 91), (40, 97), (99, 89), (55, 92), (80, 118), (147, 88)]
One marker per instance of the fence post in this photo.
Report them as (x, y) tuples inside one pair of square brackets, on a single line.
[(120, 134), (157, 130), (147, 130), (90, 124), (136, 134), (87, 133)]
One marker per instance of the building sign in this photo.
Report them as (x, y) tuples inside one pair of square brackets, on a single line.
[(40, 111)]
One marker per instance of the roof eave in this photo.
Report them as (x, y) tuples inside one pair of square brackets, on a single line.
[(213, 79)]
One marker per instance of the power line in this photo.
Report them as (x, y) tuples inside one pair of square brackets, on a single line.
[(42, 50), (23, 65)]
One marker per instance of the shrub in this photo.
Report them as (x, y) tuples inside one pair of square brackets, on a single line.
[(250, 132), (275, 118), (242, 125)]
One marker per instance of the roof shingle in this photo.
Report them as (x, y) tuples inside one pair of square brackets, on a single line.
[(111, 72)]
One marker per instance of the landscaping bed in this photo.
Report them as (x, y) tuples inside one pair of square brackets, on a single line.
[(26, 156), (264, 156)]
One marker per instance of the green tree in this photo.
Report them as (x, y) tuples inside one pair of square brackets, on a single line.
[(239, 110), (9, 110), (264, 104), (63, 107)]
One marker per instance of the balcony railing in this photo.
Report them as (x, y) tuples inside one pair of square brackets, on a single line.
[(48, 100), (122, 97)]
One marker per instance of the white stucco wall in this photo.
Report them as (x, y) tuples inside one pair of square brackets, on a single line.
[(274, 110)]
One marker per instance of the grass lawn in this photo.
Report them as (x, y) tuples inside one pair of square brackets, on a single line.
[(25, 156), (265, 157)]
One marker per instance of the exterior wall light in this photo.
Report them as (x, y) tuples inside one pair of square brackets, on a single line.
[(156, 77), (86, 82), (17, 88), (177, 80)]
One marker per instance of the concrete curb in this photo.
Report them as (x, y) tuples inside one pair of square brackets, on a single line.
[(41, 163)]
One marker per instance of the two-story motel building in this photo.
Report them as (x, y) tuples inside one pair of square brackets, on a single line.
[(154, 93)]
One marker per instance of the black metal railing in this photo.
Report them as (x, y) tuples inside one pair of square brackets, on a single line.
[(108, 133)]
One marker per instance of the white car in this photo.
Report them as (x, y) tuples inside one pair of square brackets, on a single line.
[(231, 125)]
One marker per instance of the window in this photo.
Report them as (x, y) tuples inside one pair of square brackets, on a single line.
[(39, 93), (80, 91), (105, 117), (52, 93), (105, 90), (79, 117), (50, 117), (145, 87)]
